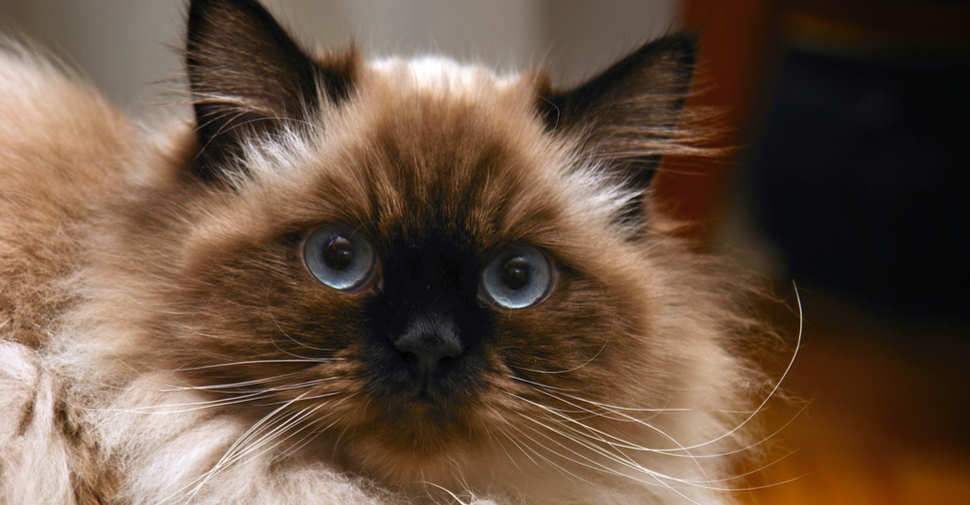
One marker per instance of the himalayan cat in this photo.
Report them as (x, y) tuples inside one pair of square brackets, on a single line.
[(360, 282)]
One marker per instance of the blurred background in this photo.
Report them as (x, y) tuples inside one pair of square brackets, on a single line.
[(847, 124)]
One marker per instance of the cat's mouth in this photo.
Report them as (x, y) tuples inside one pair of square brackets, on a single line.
[(404, 388), (431, 388)]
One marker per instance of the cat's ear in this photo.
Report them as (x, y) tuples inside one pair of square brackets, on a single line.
[(248, 78), (626, 117)]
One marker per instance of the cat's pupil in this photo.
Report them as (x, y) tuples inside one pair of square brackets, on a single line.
[(339, 253), (516, 273)]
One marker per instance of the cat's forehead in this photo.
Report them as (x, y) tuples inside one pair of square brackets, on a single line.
[(433, 141), (442, 75), (431, 147)]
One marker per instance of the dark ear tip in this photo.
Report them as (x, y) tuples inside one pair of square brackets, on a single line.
[(685, 41), (199, 6), (687, 45), (682, 46), (201, 12)]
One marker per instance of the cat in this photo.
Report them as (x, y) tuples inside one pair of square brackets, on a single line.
[(361, 282)]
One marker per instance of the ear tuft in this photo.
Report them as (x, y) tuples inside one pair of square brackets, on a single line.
[(248, 79), (627, 116)]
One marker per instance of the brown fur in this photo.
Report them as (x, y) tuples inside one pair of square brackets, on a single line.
[(150, 275), (59, 144)]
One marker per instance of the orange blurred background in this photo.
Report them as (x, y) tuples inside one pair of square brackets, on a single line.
[(881, 385)]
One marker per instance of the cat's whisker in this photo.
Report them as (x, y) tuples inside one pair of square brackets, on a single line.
[(622, 444), (308, 398), (618, 446), (677, 452), (272, 389), (759, 442), (775, 387), (584, 440), (503, 419), (563, 392), (623, 417), (496, 443), (539, 384), (255, 362), (458, 475), (519, 445), (657, 478), (303, 442), (687, 449), (293, 420), (619, 408), (606, 343), (303, 359), (761, 468), (770, 485), (705, 483), (582, 443), (197, 483), (235, 386), (166, 409), (526, 448), (200, 405), (269, 435), (290, 337), (244, 445), (454, 496)]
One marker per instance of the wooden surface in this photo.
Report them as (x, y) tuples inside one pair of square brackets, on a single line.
[(886, 417)]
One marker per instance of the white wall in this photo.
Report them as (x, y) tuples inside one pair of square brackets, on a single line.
[(121, 44)]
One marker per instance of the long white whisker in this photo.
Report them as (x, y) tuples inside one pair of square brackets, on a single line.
[(233, 385), (609, 338), (291, 339), (201, 405), (564, 393), (202, 480), (756, 470), (259, 362), (619, 457), (774, 390), (260, 437), (300, 444), (446, 490), (658, 478), (551, 451), (306, 398), (605, 437)]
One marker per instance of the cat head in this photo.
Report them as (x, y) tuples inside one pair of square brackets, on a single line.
[(417, 262)]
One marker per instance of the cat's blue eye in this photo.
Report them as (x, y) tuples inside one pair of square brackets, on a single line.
[(520, 277), (340, 257)]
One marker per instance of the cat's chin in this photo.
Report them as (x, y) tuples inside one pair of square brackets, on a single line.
[(410, 440), (425, 461), (414, 449)]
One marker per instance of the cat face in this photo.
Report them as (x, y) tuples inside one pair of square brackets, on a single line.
[(414, 263)]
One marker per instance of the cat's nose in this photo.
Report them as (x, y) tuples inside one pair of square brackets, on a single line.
[(430, 339)]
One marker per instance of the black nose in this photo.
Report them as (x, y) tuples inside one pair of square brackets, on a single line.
[(430, 339)]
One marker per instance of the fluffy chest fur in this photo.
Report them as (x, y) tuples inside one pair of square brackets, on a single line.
[(353, 282)]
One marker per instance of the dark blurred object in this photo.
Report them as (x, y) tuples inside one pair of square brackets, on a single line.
[(861, 171), (854, 115), (733, 38)]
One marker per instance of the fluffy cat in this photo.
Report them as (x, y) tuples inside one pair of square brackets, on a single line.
[(352, 282)]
